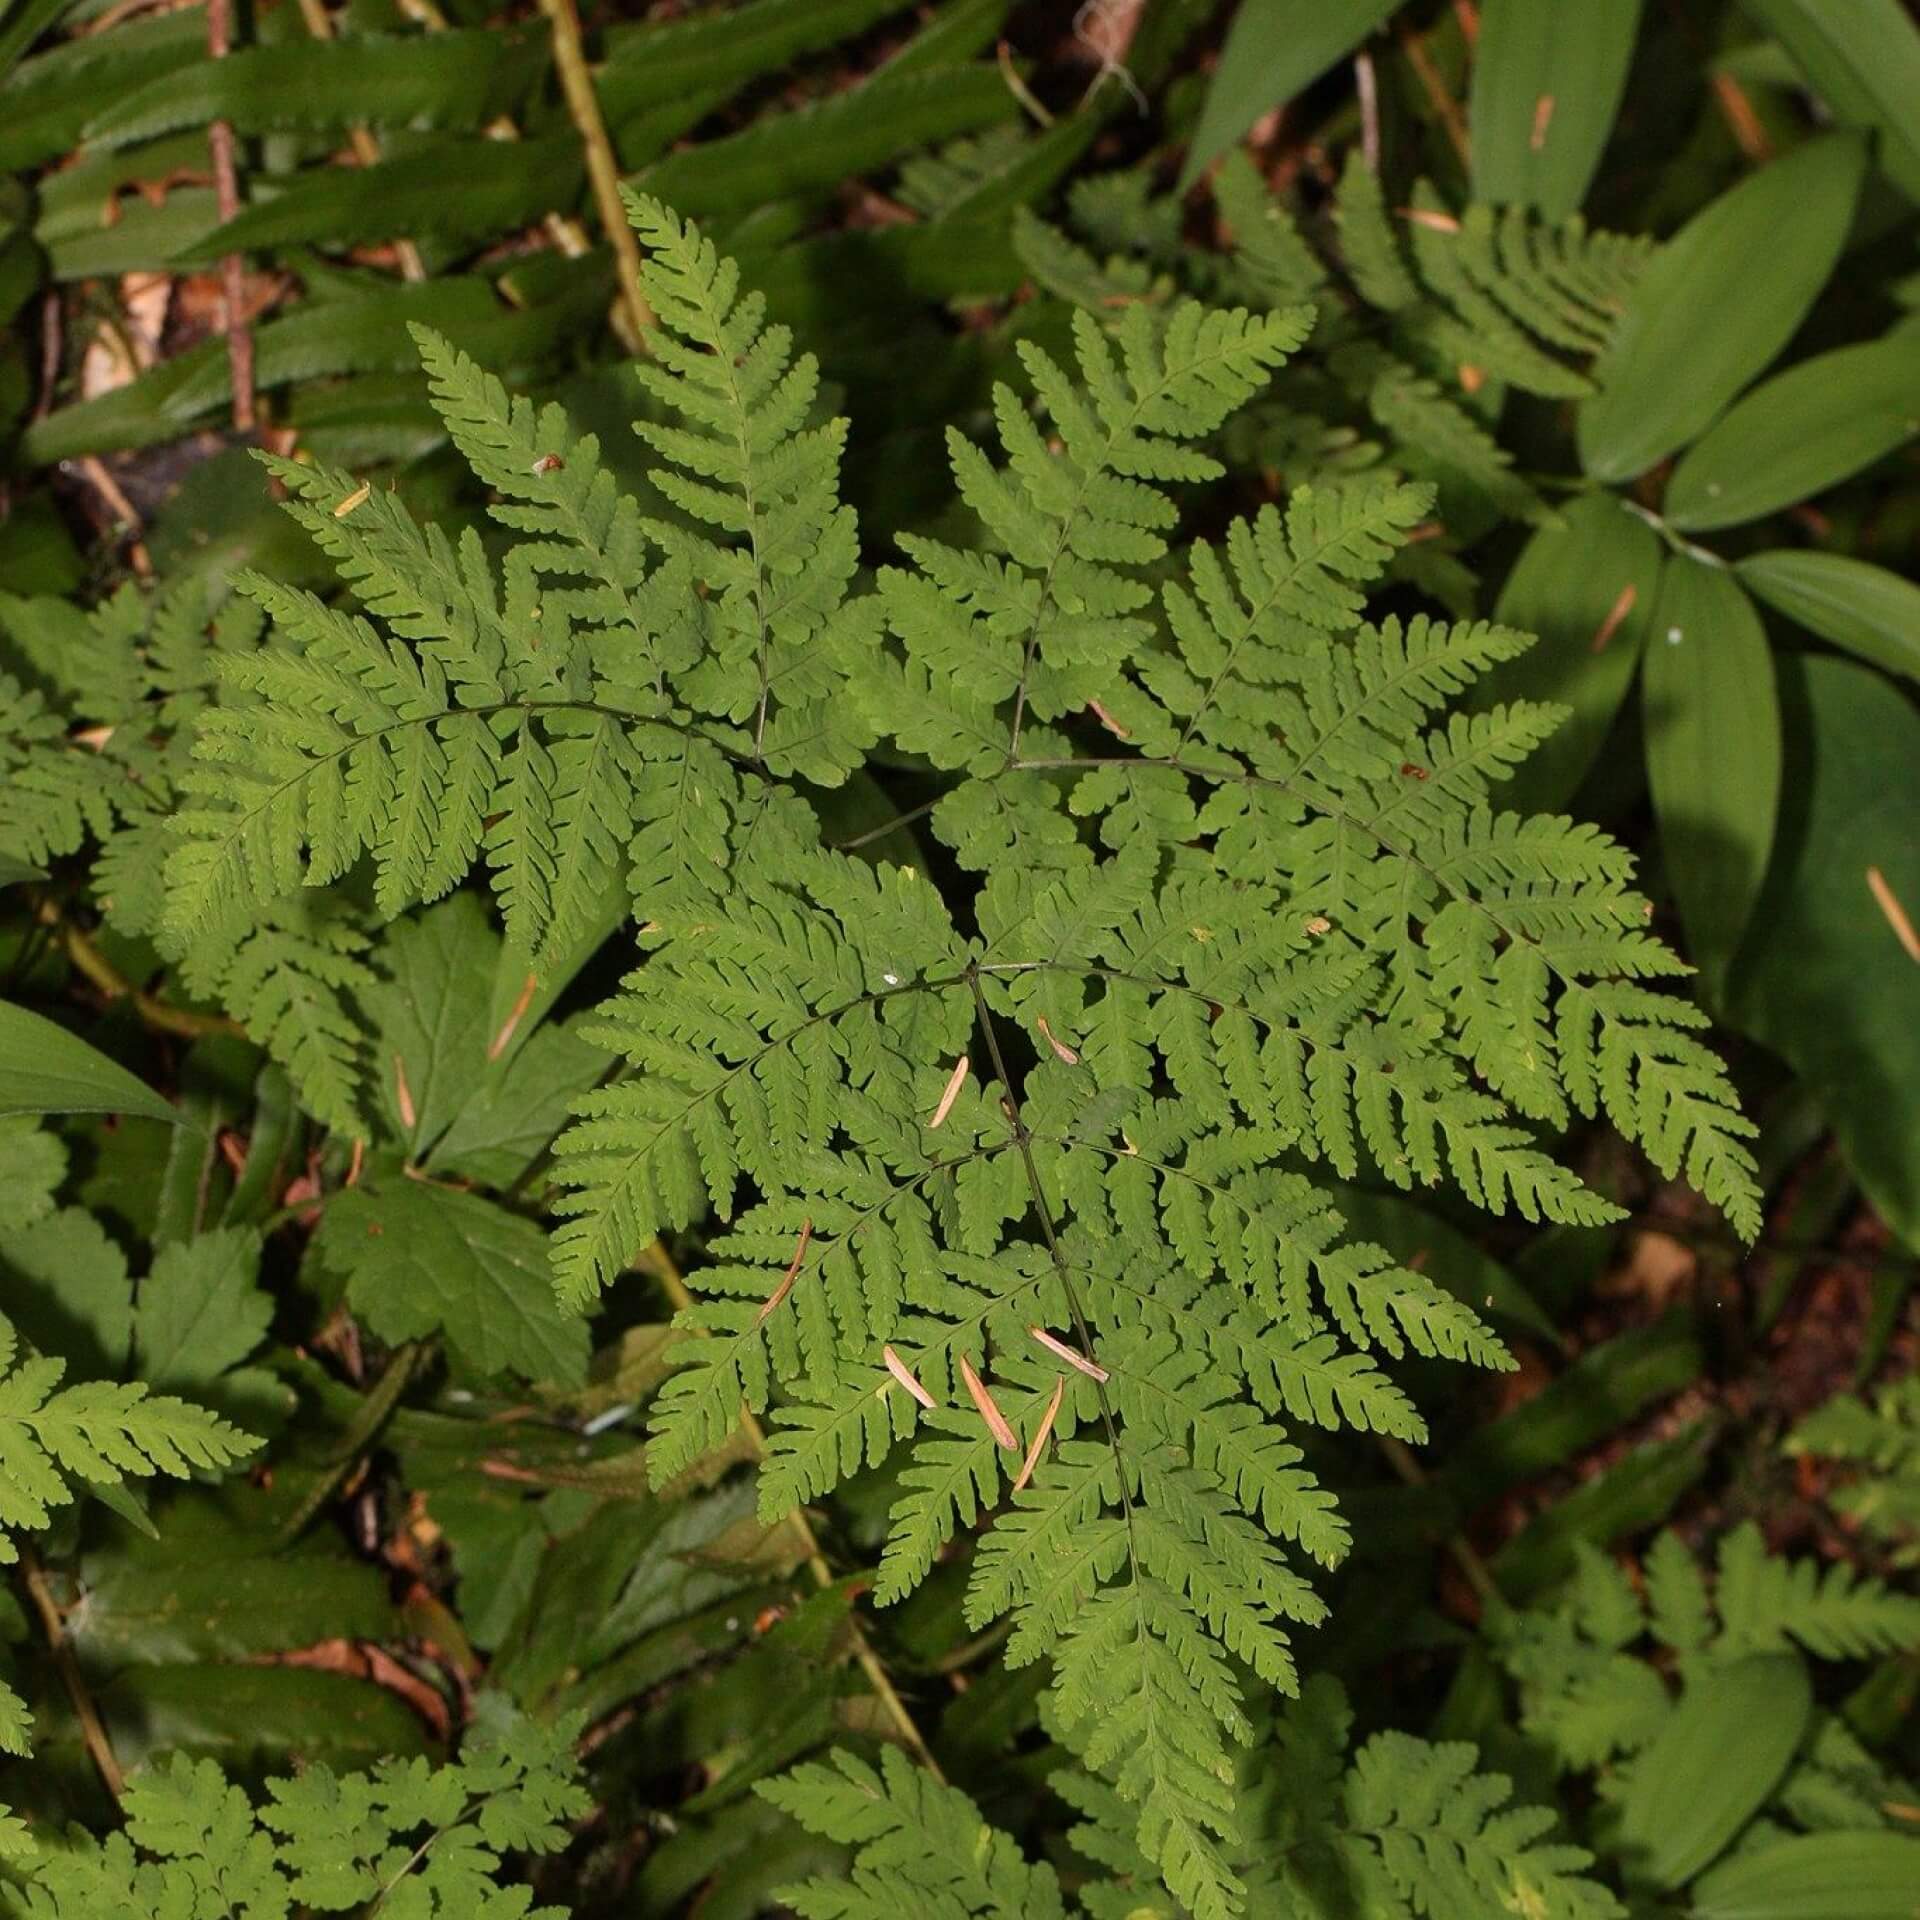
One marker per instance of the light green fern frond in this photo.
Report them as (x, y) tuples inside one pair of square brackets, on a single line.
[(1402, 1826), (1019, 1179), (919, 1847), (1589, 1692), (406, 1837), (1045, 615), (1769, 1601), (96, 1432), (784, 639), (1423, 1826)]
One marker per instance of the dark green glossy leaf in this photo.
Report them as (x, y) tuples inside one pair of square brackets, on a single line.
[(955, 33), (380, 80), (23, 23), (363, 335), (1799, 433), (1587, 588), (1815, 1876), (501, 185), (814, 146), (1273, 50), (1717, 303), (178, 1598), (1863, 608), (1713, 753), (141, 238), (47, 100), (1863, 56), (487, 1083), (1547, 81), (257, 1715), (1713, 1765), (718, 52), (46, 1069), (21, 270), (1831, 986)]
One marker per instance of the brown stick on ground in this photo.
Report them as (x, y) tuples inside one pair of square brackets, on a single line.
[(226, 182), (93, 1732), (632, 314)]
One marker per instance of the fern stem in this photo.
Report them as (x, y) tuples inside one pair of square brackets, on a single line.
[(566, 232), (603, 169), (87, 959), (894, 825), (1083, 1332), (659, 1262), (92, 1729)]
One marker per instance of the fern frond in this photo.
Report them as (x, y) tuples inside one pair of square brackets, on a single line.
[(919, 1846), (96, 1432), (1045, 616), (1766, 1601), (1018, 1180), (1423, 1826), (784, 640), (1589, 1694), (417, 1838)]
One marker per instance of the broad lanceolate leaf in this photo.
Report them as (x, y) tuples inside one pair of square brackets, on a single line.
[(1799, 433), (46, 1069), (1831, 987), (503, 184), (1717, 303), (1872, 613), (1274, 49), (657, 62), (1588, 590), (811, 147), (1863, 58), (1813, 1876), (1547, 81), (443, 80), (1713, 753), (1714, 1763)]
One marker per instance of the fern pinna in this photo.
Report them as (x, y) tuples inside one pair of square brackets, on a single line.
[(1022, 1170)]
